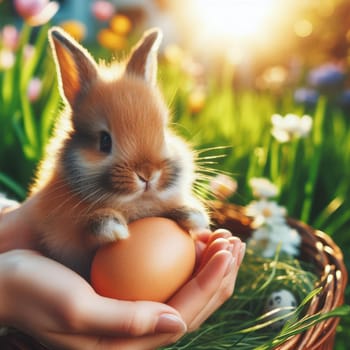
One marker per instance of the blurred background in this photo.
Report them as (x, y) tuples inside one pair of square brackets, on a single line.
[(226, 67)]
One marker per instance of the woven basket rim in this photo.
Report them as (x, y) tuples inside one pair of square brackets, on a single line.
[(317, 247)]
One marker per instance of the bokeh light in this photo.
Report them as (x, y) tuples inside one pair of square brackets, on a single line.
[(75, 28), (243, 27), (230, 19), (303, 28)]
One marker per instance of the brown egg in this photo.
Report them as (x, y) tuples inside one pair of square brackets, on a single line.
[(154, 262)]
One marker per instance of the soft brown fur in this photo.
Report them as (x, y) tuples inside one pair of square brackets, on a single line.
[(85, 195)]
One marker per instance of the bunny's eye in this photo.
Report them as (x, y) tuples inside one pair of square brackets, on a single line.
[(105, 142)]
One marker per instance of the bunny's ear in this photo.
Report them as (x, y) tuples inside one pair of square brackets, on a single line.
[(75, 67), (143, 59)]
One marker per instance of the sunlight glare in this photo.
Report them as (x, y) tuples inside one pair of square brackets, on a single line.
[(230, 19)]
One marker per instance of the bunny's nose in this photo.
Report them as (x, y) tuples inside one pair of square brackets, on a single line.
[(145, 181), (148, 180)]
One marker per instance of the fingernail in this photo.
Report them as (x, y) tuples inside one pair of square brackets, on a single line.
[(168, 323), (230, 266), (230, 247), (242, 253)]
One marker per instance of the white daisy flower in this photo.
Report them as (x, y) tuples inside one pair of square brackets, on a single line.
[(267, 239), (265, 212), (271, 229), (291, 126), (263, 188)]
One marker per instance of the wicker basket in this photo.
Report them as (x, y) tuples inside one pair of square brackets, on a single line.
[(317, 248)]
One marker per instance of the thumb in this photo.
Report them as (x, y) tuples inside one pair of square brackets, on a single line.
[(107, 316)]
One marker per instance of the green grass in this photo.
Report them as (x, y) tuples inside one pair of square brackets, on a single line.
[(25, 126), (242, 322)]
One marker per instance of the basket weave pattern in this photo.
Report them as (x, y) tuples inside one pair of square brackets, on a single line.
[(318, 249)]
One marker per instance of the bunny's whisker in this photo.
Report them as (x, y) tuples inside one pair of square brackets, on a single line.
[(210, 149)]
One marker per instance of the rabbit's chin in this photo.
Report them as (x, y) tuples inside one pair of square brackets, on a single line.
[(142, 196)]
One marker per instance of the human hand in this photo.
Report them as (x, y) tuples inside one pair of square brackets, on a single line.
[(219, 256), (59, 308)]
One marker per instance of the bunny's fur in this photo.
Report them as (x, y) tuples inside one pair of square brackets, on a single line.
[(113, 158)]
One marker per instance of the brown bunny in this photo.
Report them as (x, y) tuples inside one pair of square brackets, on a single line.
[(113, 158)]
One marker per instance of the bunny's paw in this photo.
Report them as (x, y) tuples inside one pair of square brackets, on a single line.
[(191, 219), (108, 226)]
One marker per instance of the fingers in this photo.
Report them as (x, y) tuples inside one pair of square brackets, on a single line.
[(215, 280), (216, 246), (224, 291), (207, 236), (113, 324), (220, 233), (204, 240), (193, 297), (65, 341), (107, 316)]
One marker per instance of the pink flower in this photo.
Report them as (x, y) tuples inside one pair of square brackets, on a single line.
[(36, 12), (27, 8), (10, 37), (28, 52), (34, 89), (103, 10)]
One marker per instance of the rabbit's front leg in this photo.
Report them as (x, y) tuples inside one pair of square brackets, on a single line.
[(190, 218), (108, 225)]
